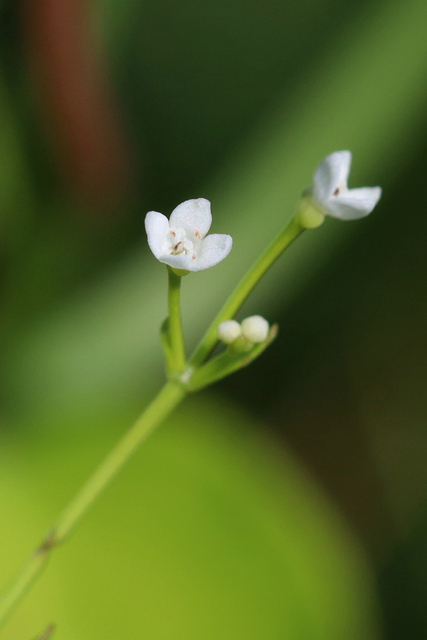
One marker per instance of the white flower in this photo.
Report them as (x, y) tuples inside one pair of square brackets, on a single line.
[(229, 331), (180, 242), (331, 194), (255, 329)]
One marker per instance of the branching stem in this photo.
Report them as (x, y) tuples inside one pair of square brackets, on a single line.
[(245, 287)]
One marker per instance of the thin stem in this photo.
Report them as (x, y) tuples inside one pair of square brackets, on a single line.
[(177, 363), (47, 633), (167, 399), (245, 287)]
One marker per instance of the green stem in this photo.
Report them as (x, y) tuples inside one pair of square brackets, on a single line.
[(177, 349), (245, 287), (167, 399)]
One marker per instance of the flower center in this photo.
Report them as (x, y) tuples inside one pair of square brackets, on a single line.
[(340, 188), (180, 242)]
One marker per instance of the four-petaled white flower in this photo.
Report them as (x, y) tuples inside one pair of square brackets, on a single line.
[(331, 194), (181, 241)]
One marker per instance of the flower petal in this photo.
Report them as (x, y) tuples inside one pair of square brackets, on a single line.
[(180, 261), (332, 172), (158, 232), (213, 249), (192, 215), (354, 203)]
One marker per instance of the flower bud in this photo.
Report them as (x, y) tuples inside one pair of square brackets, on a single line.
[(229, 331), (255, 329)]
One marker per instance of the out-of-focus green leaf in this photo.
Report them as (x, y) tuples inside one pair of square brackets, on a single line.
[(208, 533), (15, 192), (366, 94)]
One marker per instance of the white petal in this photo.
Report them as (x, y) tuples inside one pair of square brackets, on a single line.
[(158, 232), (180, 261), (192, 215), (213, 249), (332, 172), (354, 203)]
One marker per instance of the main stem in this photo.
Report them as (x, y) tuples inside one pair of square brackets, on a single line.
[(245, 287), (167, 399)]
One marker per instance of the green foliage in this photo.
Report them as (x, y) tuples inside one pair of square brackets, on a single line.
[(207, 533)]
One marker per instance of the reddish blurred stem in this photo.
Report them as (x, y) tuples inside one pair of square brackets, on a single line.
[(75, 98), (48, 633)]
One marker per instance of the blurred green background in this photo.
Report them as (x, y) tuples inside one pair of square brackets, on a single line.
[(290, 501)]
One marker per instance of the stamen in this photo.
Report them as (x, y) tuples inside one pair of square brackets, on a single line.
[(178, 248)]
